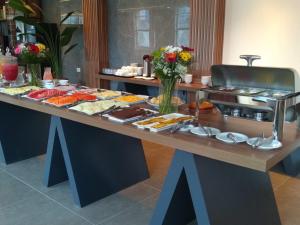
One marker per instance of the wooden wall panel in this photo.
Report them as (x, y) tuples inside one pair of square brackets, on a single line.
[(95, 38), (207, 31)]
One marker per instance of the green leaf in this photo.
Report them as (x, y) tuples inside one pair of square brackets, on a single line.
[(70, 48), (21, 6), (66, 17), (67, 35), (156, 54)]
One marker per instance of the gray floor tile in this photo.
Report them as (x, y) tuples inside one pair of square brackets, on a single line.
[(38, 210), (30, 171), (140, 214), (12, 190), (107, 207)]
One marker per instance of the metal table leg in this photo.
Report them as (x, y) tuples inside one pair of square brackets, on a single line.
[(214, 193), (97, 162)]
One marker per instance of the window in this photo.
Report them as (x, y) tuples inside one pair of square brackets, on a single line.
[(182, 26), (143, 29)]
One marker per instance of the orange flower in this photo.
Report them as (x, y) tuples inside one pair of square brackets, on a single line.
[(171, 57)]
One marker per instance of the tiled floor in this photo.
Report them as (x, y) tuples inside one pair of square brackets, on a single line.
[(25, 201)]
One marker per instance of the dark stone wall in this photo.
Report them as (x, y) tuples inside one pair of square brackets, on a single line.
[(138, 27)]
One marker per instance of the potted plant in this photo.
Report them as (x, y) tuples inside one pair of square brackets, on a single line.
[(54, 42)]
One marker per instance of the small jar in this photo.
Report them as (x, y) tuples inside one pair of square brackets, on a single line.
[(259, 116), (236, 112)]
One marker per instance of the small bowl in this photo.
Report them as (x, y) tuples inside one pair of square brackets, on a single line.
[(206, 80), (49, 85), (47, 81), (63, 82)]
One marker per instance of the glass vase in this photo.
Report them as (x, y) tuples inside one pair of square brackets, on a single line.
[(34, 71), (167, 94)]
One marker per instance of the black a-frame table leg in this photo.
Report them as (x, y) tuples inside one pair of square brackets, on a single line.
[(291, 164), (97, 162), (214, 193), (23, 133)]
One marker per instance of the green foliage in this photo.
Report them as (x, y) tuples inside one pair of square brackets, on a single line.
[(55, 42), (67, 35), (22, 7)]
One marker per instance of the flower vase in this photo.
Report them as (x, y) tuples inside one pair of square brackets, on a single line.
[(35, 73), (167, 94)]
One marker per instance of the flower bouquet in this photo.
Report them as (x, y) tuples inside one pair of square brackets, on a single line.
[(170, 63), (32, 55)]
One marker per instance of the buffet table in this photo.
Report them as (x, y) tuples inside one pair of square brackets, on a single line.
[(215, 183)]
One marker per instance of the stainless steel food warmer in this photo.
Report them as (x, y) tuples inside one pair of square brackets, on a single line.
[(255, 93)]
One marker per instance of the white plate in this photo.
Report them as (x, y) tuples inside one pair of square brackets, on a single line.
[(274, 145), (200, 132), (239, 137), (186, 128)]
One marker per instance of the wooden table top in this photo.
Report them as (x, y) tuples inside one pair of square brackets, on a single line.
[(239, 154), (154, 83)]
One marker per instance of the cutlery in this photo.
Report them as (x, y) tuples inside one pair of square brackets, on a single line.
[(232, 138), (266, 141), (209, 131), (179, 126), (257, 142), (204, 130)]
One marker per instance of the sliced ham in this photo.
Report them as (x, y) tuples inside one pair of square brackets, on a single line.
[(46, 93)]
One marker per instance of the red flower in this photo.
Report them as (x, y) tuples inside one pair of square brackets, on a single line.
[(171, 57), (147, 58), (33, 49), (187, 49)]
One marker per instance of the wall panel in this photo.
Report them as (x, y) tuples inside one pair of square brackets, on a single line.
[(95, 38), (207, 30)]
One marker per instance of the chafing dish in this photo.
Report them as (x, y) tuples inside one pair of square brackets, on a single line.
[(257, 93)]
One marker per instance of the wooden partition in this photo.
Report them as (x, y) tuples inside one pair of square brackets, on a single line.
[(95, 38), (206, 37), (207, 31)]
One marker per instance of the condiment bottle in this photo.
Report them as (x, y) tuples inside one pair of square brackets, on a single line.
[(47, 74)]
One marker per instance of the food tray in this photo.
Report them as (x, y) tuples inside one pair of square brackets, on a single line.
[(26, 90), (117, 94), (101, 109), (33, 99), (112, 118), (144, 98), (164, 117), (61, 106)]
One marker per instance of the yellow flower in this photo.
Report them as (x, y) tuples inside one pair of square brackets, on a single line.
[(185, 56), (41, 47), (162, 49)]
